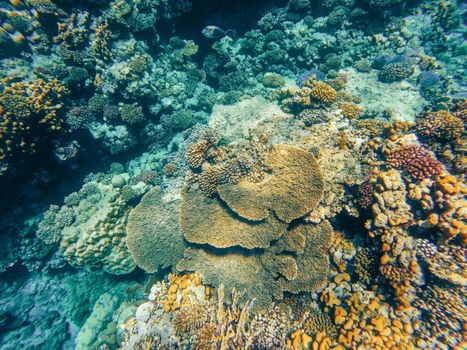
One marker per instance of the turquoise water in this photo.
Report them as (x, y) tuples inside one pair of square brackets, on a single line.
[(233, 175)]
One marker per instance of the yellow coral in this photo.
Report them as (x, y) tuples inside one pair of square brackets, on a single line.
[(323, 92), (351, 110)]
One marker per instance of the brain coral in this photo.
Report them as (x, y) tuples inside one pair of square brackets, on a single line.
[(293, 187), (207, 220), (154, 238)]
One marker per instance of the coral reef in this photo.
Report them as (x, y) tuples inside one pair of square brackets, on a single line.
[(303, 165)]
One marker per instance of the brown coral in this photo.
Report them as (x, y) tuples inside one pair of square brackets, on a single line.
[(445, 261), (313, 263), (235, 271), (293, 187), (440, 125), (351, 110), (265, 276), (366, 265), (416, 160), (207, 220), (153, 233), (323, 92), (196, 153), (319, 322)]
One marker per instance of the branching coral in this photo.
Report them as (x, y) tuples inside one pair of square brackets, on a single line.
[(73, 30), (351, 110), (154, 239), (416, 160), (323, 92), (28, 112), (395, 72), (366, 265), (440, 125), (446, 311), (447, 262)]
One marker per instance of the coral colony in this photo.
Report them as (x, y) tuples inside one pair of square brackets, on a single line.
[(203, 175)]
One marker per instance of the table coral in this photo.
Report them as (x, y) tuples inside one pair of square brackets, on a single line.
[(208, 220), (154, 238), (293, 172)]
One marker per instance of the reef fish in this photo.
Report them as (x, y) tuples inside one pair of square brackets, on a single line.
[(214, 32)]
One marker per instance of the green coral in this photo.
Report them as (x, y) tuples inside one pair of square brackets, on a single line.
[(131, 113), (96, 238)]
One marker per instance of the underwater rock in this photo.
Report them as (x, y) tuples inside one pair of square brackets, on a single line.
[(236, 120), (384, 99)]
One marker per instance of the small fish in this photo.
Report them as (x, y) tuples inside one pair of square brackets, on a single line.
[(214, 32)]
